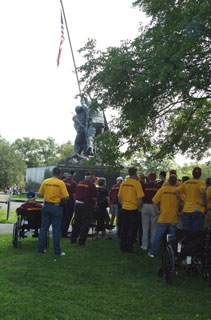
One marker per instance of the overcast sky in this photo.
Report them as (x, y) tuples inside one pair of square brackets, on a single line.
[(37, 98)]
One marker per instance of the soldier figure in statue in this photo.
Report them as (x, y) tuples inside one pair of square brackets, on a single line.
[(80, 125), (96, 125), (88, 123)]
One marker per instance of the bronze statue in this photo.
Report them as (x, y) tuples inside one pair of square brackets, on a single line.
[(88, 122)]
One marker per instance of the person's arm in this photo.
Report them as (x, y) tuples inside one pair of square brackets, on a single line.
[(176, 191), (94, 200), (41, 191), (156, 208), (64, 195), (140, 203), (108, 201), (203, 195), (19, 210), (120, 200)]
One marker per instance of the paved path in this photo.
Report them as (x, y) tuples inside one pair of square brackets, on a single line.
[(13, 205), (6, 228)]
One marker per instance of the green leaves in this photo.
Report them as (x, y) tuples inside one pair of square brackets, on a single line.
[(12, 167), (39, 152), (159, 82)]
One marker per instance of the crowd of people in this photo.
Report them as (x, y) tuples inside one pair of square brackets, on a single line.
[(141, 208)]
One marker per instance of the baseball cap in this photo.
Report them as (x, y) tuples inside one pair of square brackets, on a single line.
[(97, 178), (31, 194), (152, 175), (196, 172), (173, 172)]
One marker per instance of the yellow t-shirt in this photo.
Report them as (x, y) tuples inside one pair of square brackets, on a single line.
[(208, 194), (166, 183), (53, 190), (193, 199), (130, 191), (169, 204)]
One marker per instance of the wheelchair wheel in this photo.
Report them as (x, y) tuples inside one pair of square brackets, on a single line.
[(15, 235), (168, 264)]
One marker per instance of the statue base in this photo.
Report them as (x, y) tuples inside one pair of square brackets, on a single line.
[(100, 171)]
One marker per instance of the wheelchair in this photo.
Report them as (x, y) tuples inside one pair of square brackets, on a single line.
[(189, 250), (27, 220)]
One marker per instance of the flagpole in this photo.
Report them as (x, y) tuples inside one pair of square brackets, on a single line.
[(71, 47)]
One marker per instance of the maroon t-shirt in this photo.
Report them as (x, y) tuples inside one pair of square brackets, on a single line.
[(29, 206), (85, 192), (113, 193), (71, 186), (150, 189)]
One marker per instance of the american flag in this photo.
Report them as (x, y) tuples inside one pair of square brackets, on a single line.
[(62, 40)]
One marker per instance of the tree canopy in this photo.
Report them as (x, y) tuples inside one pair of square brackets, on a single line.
[(158, 83), (12, 166), (39, 152)]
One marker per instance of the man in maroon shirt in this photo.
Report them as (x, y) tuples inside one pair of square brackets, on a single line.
[(32, 208), (113, 194), (68, 208), (148, 214), (85, 202)]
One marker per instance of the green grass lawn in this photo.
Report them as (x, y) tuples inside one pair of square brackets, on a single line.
[(24, 198), (93, 282), (3, 216)]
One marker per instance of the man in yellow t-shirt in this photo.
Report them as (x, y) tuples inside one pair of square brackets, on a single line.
[(194, 203), (208, 194), (167, 214), (166, 183), (53, 190), (130, 196)]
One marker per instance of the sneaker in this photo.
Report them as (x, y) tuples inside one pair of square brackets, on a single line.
[(151, 255), (61, 254), (144, 248)]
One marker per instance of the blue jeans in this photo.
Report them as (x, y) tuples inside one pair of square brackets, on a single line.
[(51, 214), (192, 221), (161, 228)]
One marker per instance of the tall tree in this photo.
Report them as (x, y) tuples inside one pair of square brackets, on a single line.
[(40, 152), (37, 152), (66, 150), (160, 82), (12, 166)]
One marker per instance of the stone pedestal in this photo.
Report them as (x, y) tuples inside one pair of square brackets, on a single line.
[(100, 171)]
